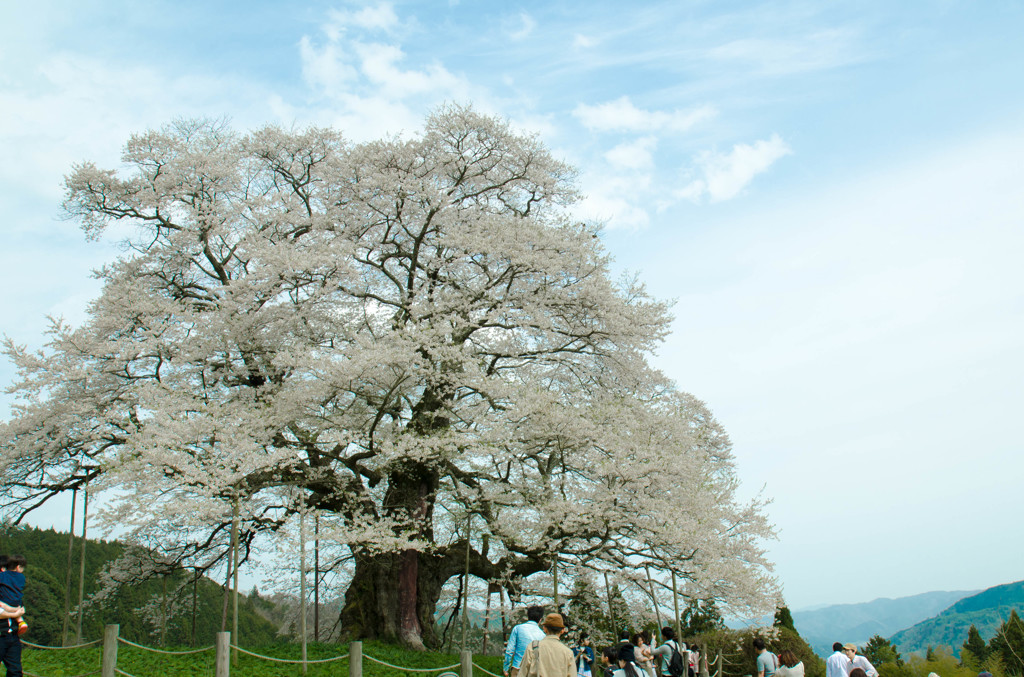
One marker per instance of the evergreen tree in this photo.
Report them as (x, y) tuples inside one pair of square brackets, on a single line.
[(784, 619), (975, 646), (586, 610), (880, 651), (622, 617), (701, 617), (1008, 643)]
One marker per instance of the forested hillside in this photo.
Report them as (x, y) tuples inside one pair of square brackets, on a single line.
[(986, 610), (153, 612), (857, 622)]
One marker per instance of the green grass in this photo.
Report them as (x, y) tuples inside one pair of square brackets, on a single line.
[(142, 663)]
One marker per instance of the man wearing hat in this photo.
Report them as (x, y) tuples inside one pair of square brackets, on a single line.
[(858, 661), (548, 657)]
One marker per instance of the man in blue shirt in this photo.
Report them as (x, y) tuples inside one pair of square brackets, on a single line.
[(520, 638), (767, 662)]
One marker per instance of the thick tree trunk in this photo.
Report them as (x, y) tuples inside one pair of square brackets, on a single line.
[(394, 596)]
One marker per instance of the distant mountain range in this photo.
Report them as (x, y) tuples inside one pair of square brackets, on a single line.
[(986, 610), (859, 622)]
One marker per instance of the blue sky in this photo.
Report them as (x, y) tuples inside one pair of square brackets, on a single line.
[(831, 192)]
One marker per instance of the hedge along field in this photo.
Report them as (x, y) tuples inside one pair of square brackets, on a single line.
[(142, 663)]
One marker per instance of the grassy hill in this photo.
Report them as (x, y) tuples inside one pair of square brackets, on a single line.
[(986, 610)]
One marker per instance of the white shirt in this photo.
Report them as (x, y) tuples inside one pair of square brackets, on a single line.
[(862, 663), (836, 665)]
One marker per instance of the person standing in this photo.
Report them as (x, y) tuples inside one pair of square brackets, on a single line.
[(767, 662), (548, 657), (643, 657), (584, 656), (835, 665), (668, 647), (520, 638), (858, 661), (12, 586), (789, 665)]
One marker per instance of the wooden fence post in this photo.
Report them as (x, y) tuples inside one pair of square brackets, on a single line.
[(355, 659), (466, 668), (109, 663), (223, 657)]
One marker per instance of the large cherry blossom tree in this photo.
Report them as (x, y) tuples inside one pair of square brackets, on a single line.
[(405, 336)]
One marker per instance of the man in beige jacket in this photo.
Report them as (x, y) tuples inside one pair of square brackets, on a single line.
[(548, 657)]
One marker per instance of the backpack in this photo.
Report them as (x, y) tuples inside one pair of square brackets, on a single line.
[(534, 648), (676, 667)]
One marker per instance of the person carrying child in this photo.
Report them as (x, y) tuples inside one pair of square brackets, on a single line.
[(12, 625)]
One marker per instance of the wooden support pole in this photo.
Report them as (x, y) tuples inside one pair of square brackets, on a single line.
[(234, 592), (67, 584), (109, 661), (487, 619), (316, 577), (302, 585), (223, 655), (611, 610), (675, 605), (81, 569), (654, 599), (554, 582), (465, 585), (466, 663), (355, 659)]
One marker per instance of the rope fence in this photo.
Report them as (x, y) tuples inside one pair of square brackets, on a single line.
[(288, 660), (61, 648), (485, 671), (171, 653), (222, 659), (404, 669)]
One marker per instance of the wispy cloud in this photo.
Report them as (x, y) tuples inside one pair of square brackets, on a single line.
[(621, 115), (382, 17), (633, 154), (783, 56), (722, 176), (581, 41), (526, 25), (365, 85)]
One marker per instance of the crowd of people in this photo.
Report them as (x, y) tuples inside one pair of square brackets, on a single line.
[(536, 648)]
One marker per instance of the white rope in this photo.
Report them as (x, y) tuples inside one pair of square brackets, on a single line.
[(399, 667), (484, 670), (87, 674), (58, 648), (288, 660), (172, 653), (122, 672)]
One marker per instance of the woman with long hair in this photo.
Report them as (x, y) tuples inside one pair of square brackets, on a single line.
[(789, 665)]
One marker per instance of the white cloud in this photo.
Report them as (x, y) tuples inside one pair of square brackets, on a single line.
[(381, 17), (526, 26), (580, 41), (379, 65), (724, 175), (366, 89), (324, 67), (615, 200), (633, 154), (621, 115), (781, 56)]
